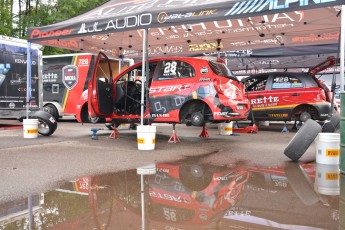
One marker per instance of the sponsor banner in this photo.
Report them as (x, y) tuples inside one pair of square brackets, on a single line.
[(13, 77), (116, 15)]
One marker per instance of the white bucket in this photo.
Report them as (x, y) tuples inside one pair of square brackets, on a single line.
[(264, 123), (123, 126), (328, 148), (327, 179), (146, 137), (225, 128), (30, 128)]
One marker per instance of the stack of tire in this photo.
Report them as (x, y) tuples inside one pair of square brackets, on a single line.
[(307, 134)]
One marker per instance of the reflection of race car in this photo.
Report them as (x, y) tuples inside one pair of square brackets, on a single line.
[(194, 194), (180, 90)]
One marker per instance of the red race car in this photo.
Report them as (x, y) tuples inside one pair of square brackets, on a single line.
[(179, 90)]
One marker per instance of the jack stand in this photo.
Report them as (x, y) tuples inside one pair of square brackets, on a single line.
[(285, 129), (204, 132), (174, 138), (94, 133), (236, 125), (114, 134)]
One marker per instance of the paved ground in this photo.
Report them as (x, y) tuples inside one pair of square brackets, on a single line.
[(36, 165)]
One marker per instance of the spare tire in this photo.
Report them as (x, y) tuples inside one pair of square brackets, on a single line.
[(302, 139), (46, 122)]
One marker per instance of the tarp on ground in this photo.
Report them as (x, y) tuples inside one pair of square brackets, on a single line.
[(194, 27)]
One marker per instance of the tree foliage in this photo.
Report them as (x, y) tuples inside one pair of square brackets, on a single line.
[(18, 15)]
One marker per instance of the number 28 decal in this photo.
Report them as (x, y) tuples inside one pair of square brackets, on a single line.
[(170, 68)]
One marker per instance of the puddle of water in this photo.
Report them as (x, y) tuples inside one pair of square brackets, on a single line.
[(188, 195)]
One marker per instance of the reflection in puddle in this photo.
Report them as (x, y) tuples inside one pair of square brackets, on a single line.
[(188, 195)]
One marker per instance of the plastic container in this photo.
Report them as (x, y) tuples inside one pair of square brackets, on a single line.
[(225, 128), (327, 179), (146, 137), (123, 126), (30, 128), (328, 148)]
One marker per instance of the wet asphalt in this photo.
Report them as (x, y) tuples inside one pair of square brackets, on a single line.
[(39, 164)]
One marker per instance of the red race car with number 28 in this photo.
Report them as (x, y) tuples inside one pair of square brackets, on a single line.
[(179, 90)]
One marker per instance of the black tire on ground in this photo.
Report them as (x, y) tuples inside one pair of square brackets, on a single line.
[(197, 119), (304, 116), (52, 110), (195, 177), (301, 184), (46, 123), (302, 139), (332, 125)]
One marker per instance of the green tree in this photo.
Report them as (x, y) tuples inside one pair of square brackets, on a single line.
[(33, 13), (6, 12)]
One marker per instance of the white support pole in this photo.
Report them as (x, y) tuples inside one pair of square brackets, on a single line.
[(28, 79), (142, 195), (342, 39), (143, 77)]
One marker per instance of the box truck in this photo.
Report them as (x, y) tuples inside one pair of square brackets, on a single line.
[(65, 79), (13, 84)]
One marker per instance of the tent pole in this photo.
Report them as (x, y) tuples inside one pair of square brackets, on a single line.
[(143, 77), (28, 79), (342, 33)]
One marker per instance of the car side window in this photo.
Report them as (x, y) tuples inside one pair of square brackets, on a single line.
[(173, 69), (257, 83), (286, 82)]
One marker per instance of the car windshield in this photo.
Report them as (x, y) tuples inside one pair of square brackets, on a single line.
[(221, 70)]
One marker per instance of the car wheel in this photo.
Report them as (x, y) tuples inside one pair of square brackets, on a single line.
[(304, 116), (332, 125), (197, 119), (93, 120), (46, 123), (194, 177), (52, 110), (86, 118), (301, 184), (302, 139)]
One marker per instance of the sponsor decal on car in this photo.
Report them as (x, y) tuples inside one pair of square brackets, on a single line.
[(204, 79), (204, 70), (278, 115), (264, 101)]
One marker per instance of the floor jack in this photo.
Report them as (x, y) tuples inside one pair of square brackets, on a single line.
[(174, 138), (252, 128)]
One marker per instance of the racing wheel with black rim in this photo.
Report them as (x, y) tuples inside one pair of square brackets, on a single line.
[(197, 119), (46, 123)]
